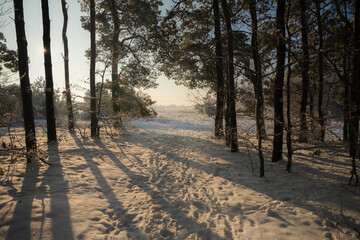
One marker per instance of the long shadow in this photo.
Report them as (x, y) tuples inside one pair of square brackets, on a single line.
[(201, 146), (107, 190), (19, 225), (187, 222), (7, 182), (59, 204)]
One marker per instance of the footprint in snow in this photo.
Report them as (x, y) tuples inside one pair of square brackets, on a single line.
[(166, 233)]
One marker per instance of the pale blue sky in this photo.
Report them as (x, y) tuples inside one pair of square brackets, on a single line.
[(79, 40)]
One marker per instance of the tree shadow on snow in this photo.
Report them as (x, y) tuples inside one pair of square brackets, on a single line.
[(59, 204), (231, 171), (190, 225), (19, 225), (53, 188), (108, 191)]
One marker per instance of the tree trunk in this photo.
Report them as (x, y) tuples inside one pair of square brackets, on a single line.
[(261, 109), (230, 79), (288, 98), (312, 92), (94, 122), (304, 73), (219, 116), (114, 66), (288, 114), (26, 96), (226, 111), (227, 123), (258, 72), (66, 66), (49, 91), (346, 100), (101, 89), (346, 70), (279, 83), (346, 65), (355, 91), (321, 72)]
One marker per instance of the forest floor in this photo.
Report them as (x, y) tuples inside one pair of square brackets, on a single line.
[(169, 178)]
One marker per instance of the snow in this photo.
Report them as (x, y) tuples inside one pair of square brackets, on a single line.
[(168, 178)]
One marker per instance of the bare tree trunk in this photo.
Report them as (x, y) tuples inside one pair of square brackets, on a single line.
[(346, 70), (250, 74), (49, 91), (230, 79), (94, 121), (312, 92), (66, 67), (321, 72), (258, 73), (288, 114), (114, 67), (101, 89), (354, 92), (227, 123), (226, 111), (219, 116), (345, 66), (304, 73), (26, 96), (346, 100), (279, 83), (288, 98)]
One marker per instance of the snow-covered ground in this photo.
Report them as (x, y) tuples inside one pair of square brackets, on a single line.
[(168, 178)]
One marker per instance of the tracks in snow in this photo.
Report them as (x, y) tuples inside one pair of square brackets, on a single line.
[(182, 203)]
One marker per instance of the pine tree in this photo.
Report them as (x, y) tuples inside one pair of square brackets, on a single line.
[(114, 62), (279, 83), (219, 115), (258, 72), (30, 136), (320, 71), (49, 90), (288, 95), (94, 121), (230, 79), (66, 67), (304, 71), (354, 93)]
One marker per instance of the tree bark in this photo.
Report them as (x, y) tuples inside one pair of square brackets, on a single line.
[(345, 67), (230, 79), (66, 68), (26, 95), (114, 66), (279, 83), (321, 71), (346, 100), (49, 91), (219, 116), (94, 121), (355, 91), (258, 72), (288, 98), (227, 122), (304, 73)]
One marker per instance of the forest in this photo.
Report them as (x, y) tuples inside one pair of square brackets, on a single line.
[(269, 151)]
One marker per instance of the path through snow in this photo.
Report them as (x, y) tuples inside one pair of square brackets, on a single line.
[(169, 179)]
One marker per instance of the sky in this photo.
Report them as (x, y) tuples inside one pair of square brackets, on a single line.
[(167, 92)]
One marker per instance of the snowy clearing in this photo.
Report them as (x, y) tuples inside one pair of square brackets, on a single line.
[(170, 179)]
